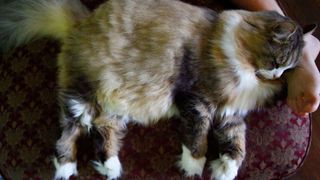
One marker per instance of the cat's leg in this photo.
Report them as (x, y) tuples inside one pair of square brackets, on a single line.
[(76, 116), (110, 131), (230, 132), (195, 116), (65, 162)]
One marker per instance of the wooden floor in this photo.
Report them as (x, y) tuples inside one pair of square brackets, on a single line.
[(305, 12)]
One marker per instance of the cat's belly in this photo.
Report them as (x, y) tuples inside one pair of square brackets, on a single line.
[(142, 104)]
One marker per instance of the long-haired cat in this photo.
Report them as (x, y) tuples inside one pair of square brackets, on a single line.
[(142, 60)]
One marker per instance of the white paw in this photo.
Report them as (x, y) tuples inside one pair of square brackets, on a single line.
[(224, 168), (190, 165), (111, 167), (66, 170)]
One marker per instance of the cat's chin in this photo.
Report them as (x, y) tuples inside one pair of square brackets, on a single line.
[(264, 79)]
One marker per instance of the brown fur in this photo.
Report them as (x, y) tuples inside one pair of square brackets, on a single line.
[(66, 146), (111, 133)]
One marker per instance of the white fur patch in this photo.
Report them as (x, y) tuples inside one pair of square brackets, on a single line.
[(248, 82), (111, 168), (64, 171), (77, 108), (80, 110), (274, 73), (249, 94), (190, 165), (231, 19), (224, 168)]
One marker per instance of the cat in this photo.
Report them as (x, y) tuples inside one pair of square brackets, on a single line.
[(140, 61)]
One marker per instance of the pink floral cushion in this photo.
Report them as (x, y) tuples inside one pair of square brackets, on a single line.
[(277, 143), (277, 139)]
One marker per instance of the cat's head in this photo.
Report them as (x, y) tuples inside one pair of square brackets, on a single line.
[(269, 42)]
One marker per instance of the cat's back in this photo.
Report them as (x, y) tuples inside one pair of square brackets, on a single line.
[(132, 49), (136, 34)]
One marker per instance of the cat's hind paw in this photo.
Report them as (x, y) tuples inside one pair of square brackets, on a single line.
[(224, 168), (111, 167), (190, 165), (65, 171)]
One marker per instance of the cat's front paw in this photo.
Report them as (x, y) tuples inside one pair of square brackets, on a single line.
[(190, 165), (111, 167), (65, 171), (224, 168)]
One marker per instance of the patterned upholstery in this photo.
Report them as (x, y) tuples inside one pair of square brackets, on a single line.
[(277, 139)]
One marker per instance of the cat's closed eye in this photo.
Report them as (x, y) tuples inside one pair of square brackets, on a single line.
[(271, 64), (251, 24), (275, 64)]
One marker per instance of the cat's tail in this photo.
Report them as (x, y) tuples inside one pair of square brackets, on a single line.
[(25, 20)]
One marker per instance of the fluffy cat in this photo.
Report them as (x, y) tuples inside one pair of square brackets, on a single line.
[(142, 60)]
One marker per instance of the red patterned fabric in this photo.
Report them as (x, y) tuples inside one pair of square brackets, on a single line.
[(277, 139), (277, 143)]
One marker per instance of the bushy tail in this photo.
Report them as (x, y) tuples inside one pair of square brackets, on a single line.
[(25, 20)]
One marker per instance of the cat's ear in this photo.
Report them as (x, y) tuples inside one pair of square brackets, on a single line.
[(309, 29), (282, 31)]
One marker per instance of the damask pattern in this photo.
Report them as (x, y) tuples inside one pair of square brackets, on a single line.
[(28, 109), (277, 139)]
